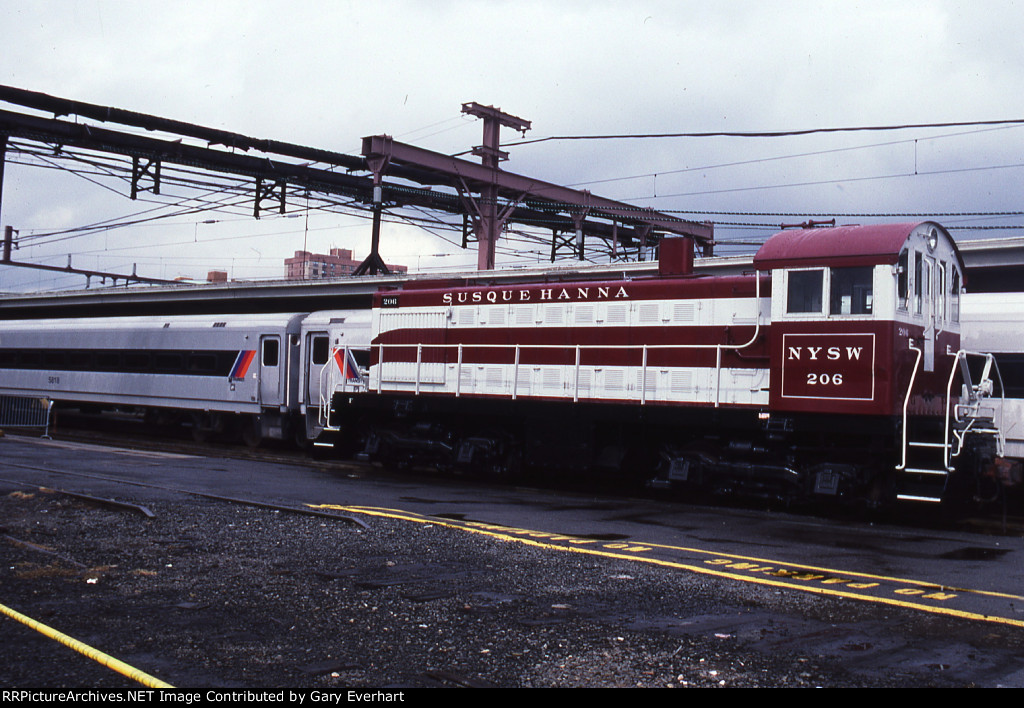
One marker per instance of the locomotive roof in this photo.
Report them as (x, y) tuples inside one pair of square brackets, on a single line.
[(844, 245)]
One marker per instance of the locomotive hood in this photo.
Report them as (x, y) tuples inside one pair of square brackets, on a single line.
[(845, 245)]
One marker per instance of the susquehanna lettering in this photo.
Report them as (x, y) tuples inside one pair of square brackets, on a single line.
[(469, 297)]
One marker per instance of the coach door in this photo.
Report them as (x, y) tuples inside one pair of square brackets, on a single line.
[(270, 370), (318, 348)]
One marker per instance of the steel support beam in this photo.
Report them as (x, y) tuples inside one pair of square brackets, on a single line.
[(503, 197), (540, 194), (276, 191), (213, 136), (140, 170), (374, 264), (490, 224)]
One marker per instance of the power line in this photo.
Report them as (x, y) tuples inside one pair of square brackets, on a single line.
[(778, 158), (767, 134), (817, 183)]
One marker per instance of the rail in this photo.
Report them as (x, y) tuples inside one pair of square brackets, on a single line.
[(906, 404), (579, 349), (326, 389), (968, 414), (961, 419)]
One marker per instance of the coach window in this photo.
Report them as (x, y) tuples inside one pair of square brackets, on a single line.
[(201, 363), (851, 291), (270, 347), (80, 360), (169, 362), (804, 291), (54, 359), (138, 362)]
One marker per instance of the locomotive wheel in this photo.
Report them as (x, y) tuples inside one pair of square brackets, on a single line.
[(510, 464)]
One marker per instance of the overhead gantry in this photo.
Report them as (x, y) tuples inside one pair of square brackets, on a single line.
[(389, 175)]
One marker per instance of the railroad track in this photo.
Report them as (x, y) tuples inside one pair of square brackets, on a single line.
[(131, 432), (232, 578)]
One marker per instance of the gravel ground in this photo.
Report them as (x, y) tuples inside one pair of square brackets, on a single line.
[(208, 594)]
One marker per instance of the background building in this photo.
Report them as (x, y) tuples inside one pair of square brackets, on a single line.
[(316, 266)]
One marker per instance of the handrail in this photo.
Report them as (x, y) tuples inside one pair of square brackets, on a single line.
[(946, 444), (990, 364), (331, 370), (643, 378), (324, 420), (718, 347), (515, 374), (906, 403), (576, 378)]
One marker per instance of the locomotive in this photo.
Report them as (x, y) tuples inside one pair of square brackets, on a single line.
[(832, 369)]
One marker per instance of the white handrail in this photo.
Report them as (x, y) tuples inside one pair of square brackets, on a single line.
[(718, 347), (906, 403), (576, 378), (515, 374), (458, 375), (990, 363), (321, 418), (643, 378)]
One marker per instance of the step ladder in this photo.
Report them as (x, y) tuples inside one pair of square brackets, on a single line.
[(928, 454), (332, 379)]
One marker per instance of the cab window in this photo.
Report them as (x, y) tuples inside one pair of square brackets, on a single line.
[(804, 291), (920, 283), (851, 291), (903, 280), (940, 291), (954, 295)]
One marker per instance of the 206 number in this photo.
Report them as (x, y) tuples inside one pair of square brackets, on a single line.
[(824, 379)]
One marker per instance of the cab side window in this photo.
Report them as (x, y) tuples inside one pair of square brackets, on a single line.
[(922, 283), (940, 291), (903, 280), (804, 292), (954, 295), (851, 291)]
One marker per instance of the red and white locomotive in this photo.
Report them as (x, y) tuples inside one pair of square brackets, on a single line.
[(834, 368)]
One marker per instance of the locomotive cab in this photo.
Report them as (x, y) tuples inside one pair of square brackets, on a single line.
[(858, 312), (865, 337)]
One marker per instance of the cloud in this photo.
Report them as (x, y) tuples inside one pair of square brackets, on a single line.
[(327, 74)]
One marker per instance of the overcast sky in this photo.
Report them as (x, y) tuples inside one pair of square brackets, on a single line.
[(325, 74)]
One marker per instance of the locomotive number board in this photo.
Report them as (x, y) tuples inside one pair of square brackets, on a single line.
[(837, 366)]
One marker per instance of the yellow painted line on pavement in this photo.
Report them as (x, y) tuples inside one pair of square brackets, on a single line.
[(86, 650), (813, 579)]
